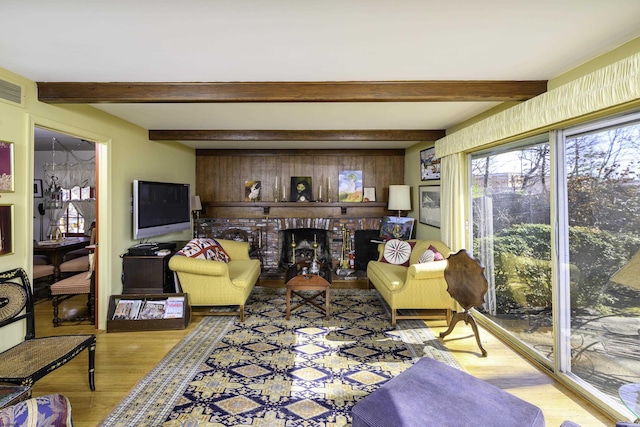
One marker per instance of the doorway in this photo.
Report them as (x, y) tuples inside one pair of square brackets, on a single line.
[(65, 192)]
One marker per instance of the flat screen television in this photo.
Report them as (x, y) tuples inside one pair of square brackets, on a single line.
[(160, 208)]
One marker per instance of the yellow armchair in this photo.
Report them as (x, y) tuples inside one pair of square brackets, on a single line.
[(216, 283)]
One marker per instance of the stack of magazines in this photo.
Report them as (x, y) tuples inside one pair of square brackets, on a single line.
[(135, 309)]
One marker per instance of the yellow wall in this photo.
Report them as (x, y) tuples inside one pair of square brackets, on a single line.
[(412, 178), (125, 153)]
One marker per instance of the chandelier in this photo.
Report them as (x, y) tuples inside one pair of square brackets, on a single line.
[(53, 194)]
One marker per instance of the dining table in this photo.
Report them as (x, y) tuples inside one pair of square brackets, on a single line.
[(56, 249)]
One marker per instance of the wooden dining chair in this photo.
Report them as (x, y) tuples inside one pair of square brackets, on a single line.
[(77, 261), (79, 284)]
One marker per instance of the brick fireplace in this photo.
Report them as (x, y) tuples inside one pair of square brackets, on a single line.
[(272, 236)]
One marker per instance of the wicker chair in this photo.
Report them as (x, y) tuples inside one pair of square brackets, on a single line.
[(32, 359)]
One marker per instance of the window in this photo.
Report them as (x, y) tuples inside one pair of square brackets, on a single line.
[(511, 232), (72, 222), (562, 255), (601, 233)]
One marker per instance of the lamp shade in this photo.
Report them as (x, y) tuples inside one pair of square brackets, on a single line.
[(399, 198), (195, 203)]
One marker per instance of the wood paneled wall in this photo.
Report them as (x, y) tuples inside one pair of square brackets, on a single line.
[(221, 174)]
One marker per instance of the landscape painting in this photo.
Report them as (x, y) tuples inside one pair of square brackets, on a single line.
[(394, 227), (350, 186)]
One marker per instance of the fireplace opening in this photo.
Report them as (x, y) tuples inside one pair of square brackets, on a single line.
[(304, 239)]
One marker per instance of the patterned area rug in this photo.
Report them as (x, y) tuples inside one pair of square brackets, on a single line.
[(268, 371)]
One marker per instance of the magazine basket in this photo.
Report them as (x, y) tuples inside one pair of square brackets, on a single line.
[(130, 325)]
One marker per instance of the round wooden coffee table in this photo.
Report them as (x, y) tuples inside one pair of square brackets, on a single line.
[(296, 281)]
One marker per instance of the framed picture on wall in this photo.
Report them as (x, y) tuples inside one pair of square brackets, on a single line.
[(429, 165), (394, 227), (6, 167), (301, 189), (350, 186), (369, 194), (252, 191), (430, 205), (37, 188), (6, 229)]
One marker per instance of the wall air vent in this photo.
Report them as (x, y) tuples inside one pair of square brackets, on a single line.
[(10, 92)]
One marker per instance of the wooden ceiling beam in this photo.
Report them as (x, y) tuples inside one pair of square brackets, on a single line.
[(386, 91), (297, 135)]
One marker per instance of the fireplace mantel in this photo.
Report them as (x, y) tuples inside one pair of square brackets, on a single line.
[(291, 209)]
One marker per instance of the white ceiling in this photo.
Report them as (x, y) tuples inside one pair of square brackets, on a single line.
[(306, 40), (44, 142)]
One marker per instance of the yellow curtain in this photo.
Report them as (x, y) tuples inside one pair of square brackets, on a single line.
[(610, 86), (453, 202)]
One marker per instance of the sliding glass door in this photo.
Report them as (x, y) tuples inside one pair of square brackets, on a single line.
[(511, 211), (556, 221), (601, 229)]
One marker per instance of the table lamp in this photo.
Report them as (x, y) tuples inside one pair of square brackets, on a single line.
[(196, 207), (399, 200)]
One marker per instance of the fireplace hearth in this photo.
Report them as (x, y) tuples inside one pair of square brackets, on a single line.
[(304, 239)]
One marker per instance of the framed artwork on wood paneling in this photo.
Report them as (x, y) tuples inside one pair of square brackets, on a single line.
[(350, 186), (252, 191), (369, 194), (301, 189)]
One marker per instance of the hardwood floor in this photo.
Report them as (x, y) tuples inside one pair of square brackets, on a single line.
[(122, 359)]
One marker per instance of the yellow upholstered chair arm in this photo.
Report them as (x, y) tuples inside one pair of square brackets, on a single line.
[(427, 270), (202, 267)]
